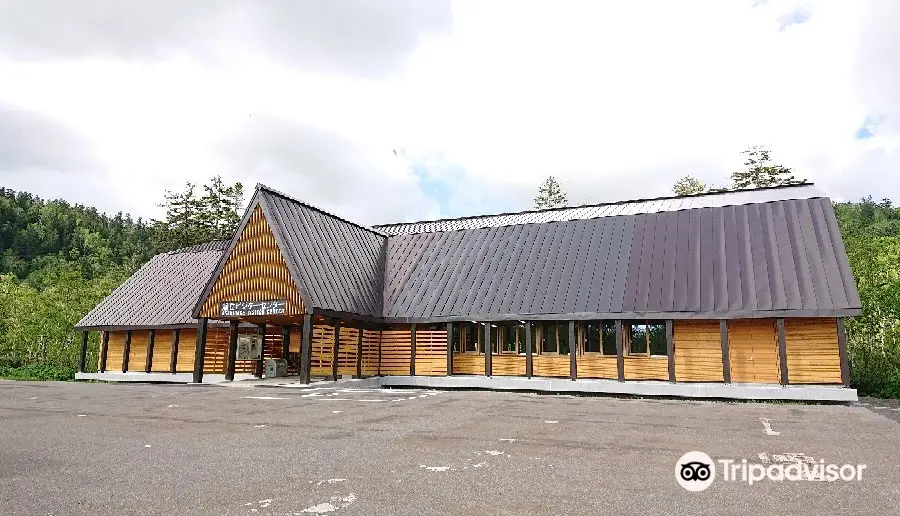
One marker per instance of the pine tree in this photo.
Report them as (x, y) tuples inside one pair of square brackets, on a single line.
[(688, 185), (550, 195), (762, 171)]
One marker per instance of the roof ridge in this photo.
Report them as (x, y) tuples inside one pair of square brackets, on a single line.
[(629, 201), (260, 186)]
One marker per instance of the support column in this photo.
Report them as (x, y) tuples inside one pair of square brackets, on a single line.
[(782, 351), (336, 351), (412, 351), (173, 361), (305, 343), (359, 349), (726, 358), (148, 363), (487, 349), (529, 350), (126, 351), (573, 352), (842, 351), (449, 349), (620, 352), (285, 341), (104, 351), (200, 349), (262, 354), (82, 352), (670, 349), (232, 350)]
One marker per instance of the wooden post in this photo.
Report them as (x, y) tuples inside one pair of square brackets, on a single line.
[(573, 351), (529, 350), (842, 351), (359, 349), (670, 349), (487, 348), (173, 361), (412, 351), (620, 351), (126, 352), (305, 343), (782, 351), (82, 352), (261, 328), (336, 351), (449, 349), (232, 350), (285, 341), (104, 351), (200, 349), (151, 339), (726, 358)]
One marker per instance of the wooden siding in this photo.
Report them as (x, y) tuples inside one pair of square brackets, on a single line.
[(507, 365), (396, 350), (162, 351), (321, 350), (187, 347), (753, 351), (646, 368), (812, 351), (468, 363), (254, 271), (598, 366), (550, 365), (371, 346), (698, 351), (137, 359), (431, 352), (347, 350), (115, 351)]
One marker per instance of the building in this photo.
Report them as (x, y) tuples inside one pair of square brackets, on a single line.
[(737, 294)]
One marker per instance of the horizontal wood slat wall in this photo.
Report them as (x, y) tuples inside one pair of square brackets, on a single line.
[(187, 343), (812, 350), (647, 368), (162, 351), (115, 351), (597, 366), (506, 365), (371, 345), (138, 357), (396, 350), (550, 365), (347, 350), (698, 351), (255, 271), (753, 351), (321, 350), (431, 352), (468, 363), (216, 358)]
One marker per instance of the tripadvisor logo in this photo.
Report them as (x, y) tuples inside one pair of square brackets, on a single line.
[(695, 471)]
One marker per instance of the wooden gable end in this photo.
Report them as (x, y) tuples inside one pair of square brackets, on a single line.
[(254, 271)]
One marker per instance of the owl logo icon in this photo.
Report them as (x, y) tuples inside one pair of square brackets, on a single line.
[(695, 471)]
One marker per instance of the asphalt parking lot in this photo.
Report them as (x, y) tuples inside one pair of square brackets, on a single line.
[(69, 448)]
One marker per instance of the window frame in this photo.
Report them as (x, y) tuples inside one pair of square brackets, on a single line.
[(582, 338), (646, 323), (540, 327)]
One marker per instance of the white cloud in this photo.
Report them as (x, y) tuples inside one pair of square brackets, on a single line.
[(617, 100)]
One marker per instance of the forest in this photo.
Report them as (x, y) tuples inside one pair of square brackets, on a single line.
[(58, 260)]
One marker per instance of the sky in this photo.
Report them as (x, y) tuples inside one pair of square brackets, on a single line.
[(402, 110)]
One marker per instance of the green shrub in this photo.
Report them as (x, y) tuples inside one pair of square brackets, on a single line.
[(37, 372), (875, 372)]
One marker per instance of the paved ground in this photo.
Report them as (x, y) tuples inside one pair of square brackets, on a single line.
[(70, 448)]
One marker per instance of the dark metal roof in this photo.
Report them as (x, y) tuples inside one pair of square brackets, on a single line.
[(162, 293), (215, 245), (660, 204), (750, 260), (339, 265)]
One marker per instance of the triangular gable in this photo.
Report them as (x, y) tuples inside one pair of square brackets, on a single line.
[(253, 268)]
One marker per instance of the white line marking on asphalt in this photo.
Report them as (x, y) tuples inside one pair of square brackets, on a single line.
[(768, 427), (332, 505), (480, 464), (146, 446), (880, 408), (551, 422), (764, 458), (173, 406), (259, 426), (262, 398), (82, 415), (507, 440), (493, 452), (435, 468), (336, 411), (330, 481)]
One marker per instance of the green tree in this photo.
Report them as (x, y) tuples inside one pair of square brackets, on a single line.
[(550, 195), (688, 185), (762, 171), (192, 218)]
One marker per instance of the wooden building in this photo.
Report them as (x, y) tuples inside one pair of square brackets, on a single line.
[(747, 287)]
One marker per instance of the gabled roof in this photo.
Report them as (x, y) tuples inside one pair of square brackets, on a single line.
[(162, 293)]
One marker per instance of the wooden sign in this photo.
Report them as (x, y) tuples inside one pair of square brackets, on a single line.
[(251, 308)]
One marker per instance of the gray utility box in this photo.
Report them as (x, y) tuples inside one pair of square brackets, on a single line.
[(276, 367)]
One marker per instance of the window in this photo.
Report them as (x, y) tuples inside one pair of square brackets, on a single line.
[(600, 337), (512, 338), (468, 337), (553, 337), (646, 338)]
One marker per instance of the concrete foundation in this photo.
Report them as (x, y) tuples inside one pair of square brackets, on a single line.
[(118, 376)]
